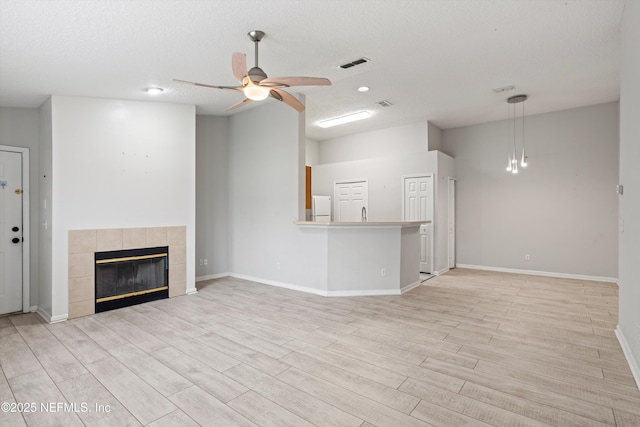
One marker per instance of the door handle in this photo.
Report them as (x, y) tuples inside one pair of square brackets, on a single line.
[(15, 240), (15, 229)]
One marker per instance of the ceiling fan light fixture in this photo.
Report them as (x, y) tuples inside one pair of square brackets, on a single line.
[(256, 93), (348, 118)]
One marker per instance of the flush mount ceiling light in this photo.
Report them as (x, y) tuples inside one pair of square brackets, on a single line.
[(348, 118), (363, 89), (516, 133), (154, 90)]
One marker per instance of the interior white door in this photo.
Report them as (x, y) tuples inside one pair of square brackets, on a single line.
[(418, 206), (350, 200), (10, 232), (451, 221)]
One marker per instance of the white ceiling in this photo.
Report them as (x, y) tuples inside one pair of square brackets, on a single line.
[(435, 60)]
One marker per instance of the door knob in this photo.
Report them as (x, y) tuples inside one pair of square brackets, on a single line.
[(15, 240), (15, 229)]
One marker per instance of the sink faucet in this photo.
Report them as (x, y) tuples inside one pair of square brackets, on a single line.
[(364, 214)]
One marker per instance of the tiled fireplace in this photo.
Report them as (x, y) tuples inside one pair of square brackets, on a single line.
[(83, 244)]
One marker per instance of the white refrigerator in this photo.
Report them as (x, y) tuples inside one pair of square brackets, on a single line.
[(321, 209)]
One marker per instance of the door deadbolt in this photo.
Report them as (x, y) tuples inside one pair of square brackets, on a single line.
[(15, 240), (15, 229)]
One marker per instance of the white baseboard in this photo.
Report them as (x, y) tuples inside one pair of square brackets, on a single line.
[(440, 272), (49, 318), (626, 349), (211, 277), (540, 273), (410, 286), (191, 291), (280, 284), (325, 293)]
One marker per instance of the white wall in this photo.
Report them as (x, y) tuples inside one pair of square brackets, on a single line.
[(435, 137), (119, 164), (212, 189), (266, 161), (562, 209), (19, 128), (45, 243), (384, 175), (629, 246), (312, 152), (379, 143)]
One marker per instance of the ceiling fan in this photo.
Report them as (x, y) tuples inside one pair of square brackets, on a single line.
[(256, 86)]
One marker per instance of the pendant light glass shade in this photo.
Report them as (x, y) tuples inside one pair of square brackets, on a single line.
[(516, 135)]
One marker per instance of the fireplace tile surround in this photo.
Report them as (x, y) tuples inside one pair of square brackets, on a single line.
[(83, 244)]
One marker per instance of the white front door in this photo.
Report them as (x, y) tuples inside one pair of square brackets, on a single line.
[(418, 206), (10, 232), (351, 201)]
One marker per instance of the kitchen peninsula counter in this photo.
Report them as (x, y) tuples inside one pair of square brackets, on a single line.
[(368, 258), (360, 224)]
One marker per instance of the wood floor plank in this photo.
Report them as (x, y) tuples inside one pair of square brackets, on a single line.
[(352, 403), (77, 342), (437, 379), (368, 388), (207, 410), (543, 413), (175, 419), (314, 410), (103, 409), (156, 374), (610, 398), (470, 407), (213, 382), (264, 412), (541, 395), (241, 353), (354, 365), (37, 388), (144, 402), (16, 358)]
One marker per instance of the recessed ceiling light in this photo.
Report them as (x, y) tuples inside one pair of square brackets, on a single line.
[(363, 89), (344, 119), (154, 90)]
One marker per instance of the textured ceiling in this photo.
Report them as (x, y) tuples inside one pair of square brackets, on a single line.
[(434, 60)]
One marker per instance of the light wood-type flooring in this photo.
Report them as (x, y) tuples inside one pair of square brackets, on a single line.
[(468, 348)]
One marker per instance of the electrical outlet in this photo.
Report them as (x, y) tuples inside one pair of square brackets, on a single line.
[(383, 271), (527, 257), (278, 265), (205, 261), (201, 261)]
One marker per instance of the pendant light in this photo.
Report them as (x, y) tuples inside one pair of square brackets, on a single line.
[(516, 135)]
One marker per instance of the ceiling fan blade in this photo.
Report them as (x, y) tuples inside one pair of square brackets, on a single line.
[(287, 98), (240, 104), (238, 88), (239, 64), (295, 81)]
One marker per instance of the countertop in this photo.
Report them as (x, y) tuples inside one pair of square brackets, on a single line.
[(400, 224)]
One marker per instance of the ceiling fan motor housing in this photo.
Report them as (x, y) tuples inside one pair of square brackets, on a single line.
[(257, 74)]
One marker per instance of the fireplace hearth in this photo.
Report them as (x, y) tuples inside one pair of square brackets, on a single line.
[(129, 277)]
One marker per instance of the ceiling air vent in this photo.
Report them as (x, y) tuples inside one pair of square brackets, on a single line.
[(354, 63), (384, 103), (504, 89)]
